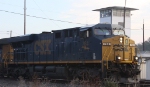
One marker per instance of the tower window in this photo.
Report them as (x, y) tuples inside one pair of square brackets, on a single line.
[(105, 13)]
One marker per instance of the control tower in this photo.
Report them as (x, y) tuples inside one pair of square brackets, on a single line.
[(115, 15)]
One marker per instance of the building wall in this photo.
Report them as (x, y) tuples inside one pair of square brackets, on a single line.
[(143, 70), (148, 70), (116, 20), (145, 66), (105, 20)]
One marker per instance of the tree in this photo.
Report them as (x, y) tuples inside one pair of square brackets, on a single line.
[(146, 43)]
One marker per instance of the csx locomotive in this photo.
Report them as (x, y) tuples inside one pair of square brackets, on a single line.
[(96, 51)]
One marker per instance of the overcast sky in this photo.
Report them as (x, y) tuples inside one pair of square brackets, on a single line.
[(78, 12)]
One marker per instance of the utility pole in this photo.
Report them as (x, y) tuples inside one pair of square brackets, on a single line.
[(10, 33), (124, 15), (24, 17), (143, 36)]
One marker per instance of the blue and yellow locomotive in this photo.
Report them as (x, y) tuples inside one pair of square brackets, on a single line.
[(100, 50)]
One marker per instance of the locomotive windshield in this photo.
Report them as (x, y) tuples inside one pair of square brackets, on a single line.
[(118, 32), (102, 32)]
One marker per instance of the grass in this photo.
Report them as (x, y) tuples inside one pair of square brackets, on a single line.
[(110, 83), (47, 83), (73, 83)]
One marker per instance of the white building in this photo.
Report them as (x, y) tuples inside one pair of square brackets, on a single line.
[(145, 65), (115, 15)]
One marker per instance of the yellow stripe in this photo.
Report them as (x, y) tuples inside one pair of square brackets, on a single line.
[(57, 62), (126, 62)]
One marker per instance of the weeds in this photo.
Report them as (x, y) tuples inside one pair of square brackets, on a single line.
[(110, 83), (21, 82), (74, 83)]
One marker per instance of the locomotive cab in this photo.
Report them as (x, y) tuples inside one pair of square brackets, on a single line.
[(119, 48), (118, 52), (116, 45)]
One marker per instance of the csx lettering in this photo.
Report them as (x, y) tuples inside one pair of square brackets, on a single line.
[(85, 45), (42, 47)]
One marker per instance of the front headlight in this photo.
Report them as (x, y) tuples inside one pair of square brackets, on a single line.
[(118, 58), (120, 39), (136, 58)]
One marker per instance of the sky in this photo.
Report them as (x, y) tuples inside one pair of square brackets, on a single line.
[(48, 15)]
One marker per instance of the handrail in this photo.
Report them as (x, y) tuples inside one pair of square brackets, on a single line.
[(104, 53), (5, 61), (108, 56), (130, 50), (140, 55), (103, 57)]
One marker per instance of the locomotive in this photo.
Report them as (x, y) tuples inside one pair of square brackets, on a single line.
[(97, 51)]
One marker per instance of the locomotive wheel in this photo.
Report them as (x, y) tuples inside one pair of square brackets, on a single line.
[(89, 74), (35, 76), (83, 74), (93, 73)]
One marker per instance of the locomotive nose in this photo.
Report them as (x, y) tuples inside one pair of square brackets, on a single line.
[(119, 49)]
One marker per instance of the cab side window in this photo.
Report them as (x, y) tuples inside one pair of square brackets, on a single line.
[(86, 33), (82, 34), (58, 35), (68, 33)]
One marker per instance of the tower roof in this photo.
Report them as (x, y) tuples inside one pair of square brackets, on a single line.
[(116, 7)]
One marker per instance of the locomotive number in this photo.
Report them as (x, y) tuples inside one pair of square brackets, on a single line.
[(42, 47)]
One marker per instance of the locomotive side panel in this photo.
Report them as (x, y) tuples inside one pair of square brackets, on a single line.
[(0, 55), (66, 45), (96, 47), (1, 65), (7, 51), (58, 46), (90, 47), (43, 48), (73, 47)]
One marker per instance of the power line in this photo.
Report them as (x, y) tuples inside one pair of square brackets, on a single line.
[(44, 13), (7, 32), (42, 17), (57, 20), (136, 29), (9, 4), (4, 33), (37, 9), (16, 33)]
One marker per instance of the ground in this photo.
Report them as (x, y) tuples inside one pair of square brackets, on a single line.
[(5, 82)]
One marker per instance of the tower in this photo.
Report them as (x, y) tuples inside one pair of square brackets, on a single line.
[(115, 15)]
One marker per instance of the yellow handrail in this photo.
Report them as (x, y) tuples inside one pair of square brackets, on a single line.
[(104, 53), (108, 56), (5, 61), (139, 54), (103, 57)]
